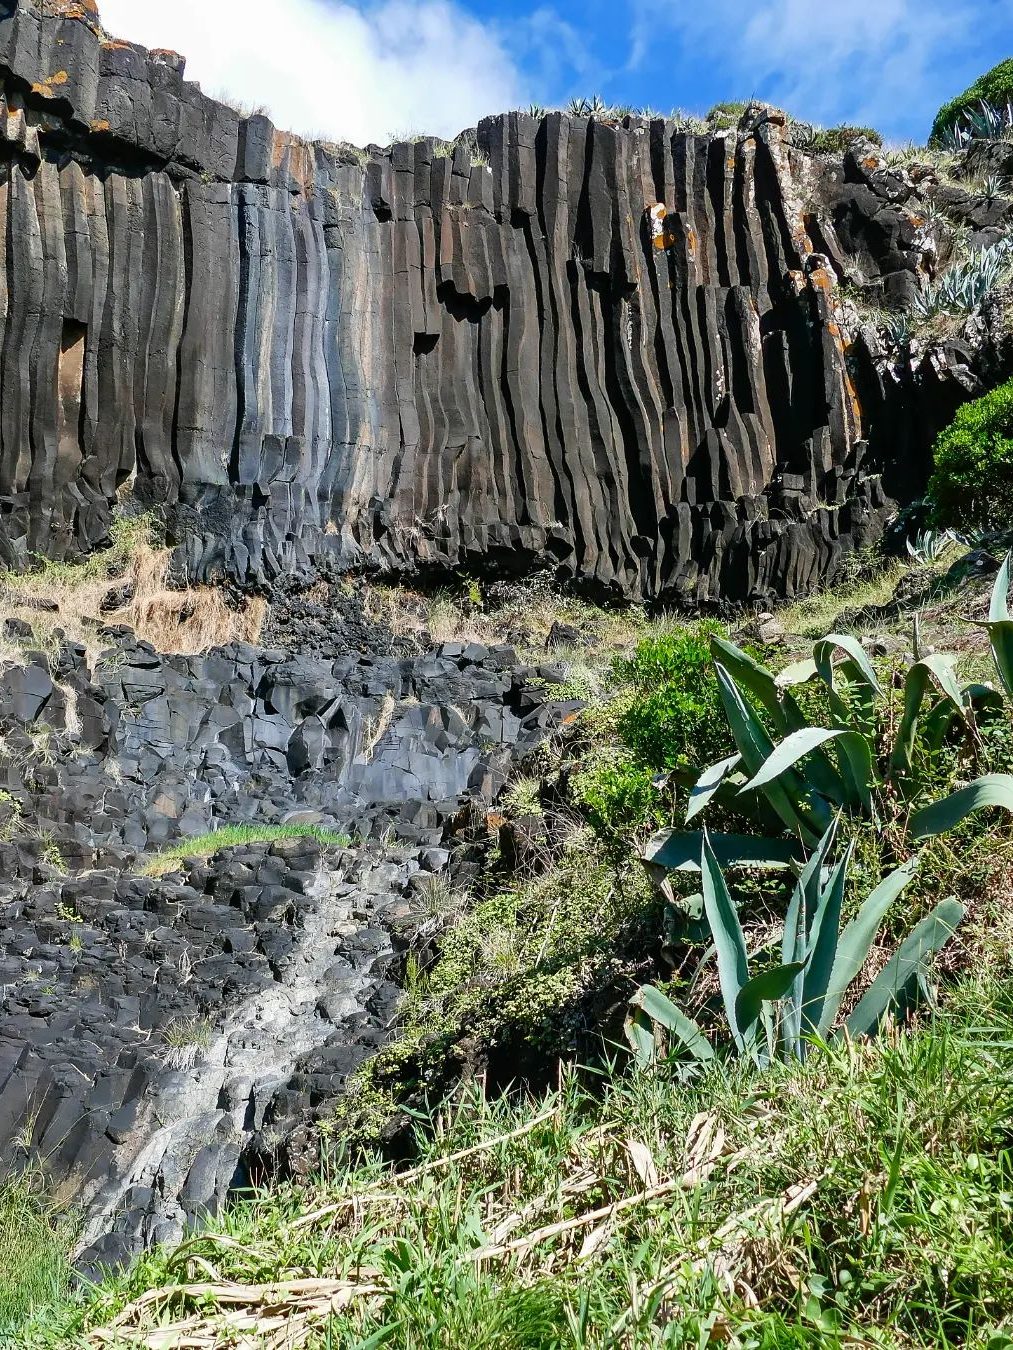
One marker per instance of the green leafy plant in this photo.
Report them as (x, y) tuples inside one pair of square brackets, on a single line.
[(789, 772), (994, 87), (726, 116), (677, 716), (972, 484), (780, 1012), (836, 140), (966, 282)]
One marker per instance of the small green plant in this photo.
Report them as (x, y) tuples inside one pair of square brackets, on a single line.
[(782, 1011), (972, 484), (836, 140), (726, 116), (929, 546), (185, 1039), (235, 836), (523, 797), (618, 795), (995, 87)]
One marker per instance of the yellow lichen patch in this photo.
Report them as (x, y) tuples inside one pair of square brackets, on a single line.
[(45, 88), (100, 124)]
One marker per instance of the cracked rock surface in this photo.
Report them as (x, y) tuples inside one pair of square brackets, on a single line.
[(157, 1031)]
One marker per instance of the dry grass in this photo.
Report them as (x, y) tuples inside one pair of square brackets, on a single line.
[(68, 599)]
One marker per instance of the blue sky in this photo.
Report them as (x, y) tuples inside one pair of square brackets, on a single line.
[(363, 70)]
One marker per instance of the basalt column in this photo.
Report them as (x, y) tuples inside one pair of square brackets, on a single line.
[(612, 350)]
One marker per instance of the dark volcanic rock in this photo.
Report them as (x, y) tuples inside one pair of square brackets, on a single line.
[(610, 351), (157, 1031)]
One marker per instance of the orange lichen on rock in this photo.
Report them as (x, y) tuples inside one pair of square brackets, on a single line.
[(84, 11), (46, 88)]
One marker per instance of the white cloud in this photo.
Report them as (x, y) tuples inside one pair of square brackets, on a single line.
[(353, 72), (882, 62)]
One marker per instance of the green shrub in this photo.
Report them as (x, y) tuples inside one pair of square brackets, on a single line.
[(618, 796), (835, 140), (726, 116), (995, 86), (677, 718), (972, 485)]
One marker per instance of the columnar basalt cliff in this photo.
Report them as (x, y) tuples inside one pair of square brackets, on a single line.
[(616, 351)]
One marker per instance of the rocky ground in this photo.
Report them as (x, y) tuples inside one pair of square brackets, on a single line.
[(166, 1024)]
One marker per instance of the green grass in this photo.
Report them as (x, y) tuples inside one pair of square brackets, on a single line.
[(235, 836), (34, 1268), (866, 1197)]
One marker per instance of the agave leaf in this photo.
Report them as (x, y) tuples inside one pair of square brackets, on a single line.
[(768, 987), (907, 965), (994, 789), (857, 939), (801, 672), (797, 925), (749, 675), (939, 670), (709, 784), (1000, 626), (1000, 636), (755, 746), (680, 851), (662, 1010), (851, 788), (639, 1031), (998, 610), (826, 932), (729, 941), (858, 668), (857, 673)]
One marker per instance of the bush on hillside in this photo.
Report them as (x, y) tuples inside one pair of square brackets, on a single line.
[(835, 140), (677, 719), (972, 485), (726, 116), (995, 86)]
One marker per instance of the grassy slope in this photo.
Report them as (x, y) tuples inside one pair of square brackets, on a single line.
[(864, 1198)]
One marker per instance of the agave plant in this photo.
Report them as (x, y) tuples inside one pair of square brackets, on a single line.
[(996, 789), (965, 284), (995, 185), (790, 774), (780, 1012), (928, 546)]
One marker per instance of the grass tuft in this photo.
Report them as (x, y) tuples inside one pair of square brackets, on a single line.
[(236, 836)]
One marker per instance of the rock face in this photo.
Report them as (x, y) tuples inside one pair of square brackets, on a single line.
[(156, 1032), (616, 351)]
